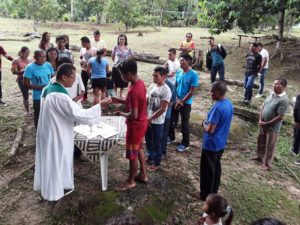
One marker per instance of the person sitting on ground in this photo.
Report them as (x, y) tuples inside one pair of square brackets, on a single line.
[(110, 85), (215, 208), (267, 221), (296, 144), (61, 48), (119, 53), (86, 53), (215, 60), (37, 75), (18, 67), (188, 45), (45, 43), (186, 84), (54, 173), (263, 69), (216, 130), (98, 42), (173, 65), (159, 95), (3, 53), (98, 68), (136, 121), (253, 64), (271, 116), (52, 57)]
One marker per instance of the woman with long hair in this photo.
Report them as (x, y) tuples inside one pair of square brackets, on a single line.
[(45, 43), (52, 57), (119, 53), (18, 68), (98, 68)]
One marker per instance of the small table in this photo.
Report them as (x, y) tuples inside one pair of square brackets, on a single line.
[(96, 149)]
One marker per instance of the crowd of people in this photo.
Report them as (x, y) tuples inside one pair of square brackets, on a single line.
[(151, 113)]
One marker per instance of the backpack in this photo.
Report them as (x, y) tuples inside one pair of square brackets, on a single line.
[(222, 51)]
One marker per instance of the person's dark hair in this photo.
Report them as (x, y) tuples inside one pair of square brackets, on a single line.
[(99, 54), (60, 37), (211, 38), (128, 66), (124, 36), (38, 52), (267, 221), (218, 207), (254, 44), (96, 32), (219, 86), (50, 50), (282, 81), (259, 44), (189, 33), (85, 39), (172, 50), (67, 41), (23, 49), (187, 57), (109, 74), (161, 70), (43, 41), (64, 60), (64, 69)]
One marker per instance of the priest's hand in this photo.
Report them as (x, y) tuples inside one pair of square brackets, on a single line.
[(105, 102)]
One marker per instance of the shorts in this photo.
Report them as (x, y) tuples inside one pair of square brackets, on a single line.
[(110, 92), (99, 83), (134, 139)]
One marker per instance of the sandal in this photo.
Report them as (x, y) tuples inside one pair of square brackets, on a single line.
[(124, 187), (153, 168), (138, 178)]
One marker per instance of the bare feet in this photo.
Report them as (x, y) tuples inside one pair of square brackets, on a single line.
[(124, 187), (266, 167), (141, 178)]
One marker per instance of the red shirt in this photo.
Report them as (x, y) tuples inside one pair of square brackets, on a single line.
[(136, 98), (2, 52)]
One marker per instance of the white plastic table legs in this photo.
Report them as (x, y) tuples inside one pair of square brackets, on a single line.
[(103, 166)]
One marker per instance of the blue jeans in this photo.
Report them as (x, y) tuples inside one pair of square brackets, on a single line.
[(154, 143), (264, 72), (249, 81), (165, 135), (220, 69)]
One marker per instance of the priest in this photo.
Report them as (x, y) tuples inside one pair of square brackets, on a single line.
[(54, 175)]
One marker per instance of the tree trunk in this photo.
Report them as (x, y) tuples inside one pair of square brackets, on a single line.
[(98, 18), (281, 15), (35, 24)]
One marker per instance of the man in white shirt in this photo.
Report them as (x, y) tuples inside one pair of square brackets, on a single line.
[(263, 70), (54, 174), (86, 52), (159, 95), (98, 42), (173, 65)]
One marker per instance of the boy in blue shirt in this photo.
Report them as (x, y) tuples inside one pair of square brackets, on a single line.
[(216, 129), (186, 84), (37, 75)]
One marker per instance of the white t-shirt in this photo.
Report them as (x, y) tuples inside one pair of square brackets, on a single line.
[(173, 67), (76, 88), (219, 223), (265, 54), (86, 55), (99, 44), (156, 94)]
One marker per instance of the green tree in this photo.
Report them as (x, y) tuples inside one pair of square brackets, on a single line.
[(220, 16)]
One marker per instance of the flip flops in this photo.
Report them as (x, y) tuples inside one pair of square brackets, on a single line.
[(125, 187)]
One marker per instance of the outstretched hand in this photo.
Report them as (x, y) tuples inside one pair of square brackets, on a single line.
[(106, 102)]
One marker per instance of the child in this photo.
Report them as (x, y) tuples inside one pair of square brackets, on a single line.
[(110, 85), (214, 209)]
